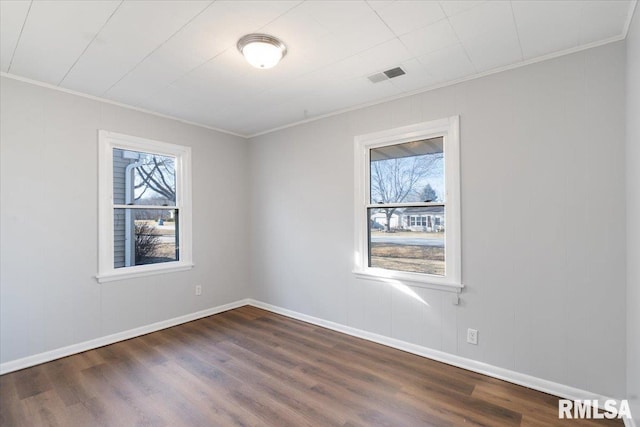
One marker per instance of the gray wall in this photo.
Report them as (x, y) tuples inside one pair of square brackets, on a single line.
[(49, 297), (543, 222), (543, 215), (633, 216)]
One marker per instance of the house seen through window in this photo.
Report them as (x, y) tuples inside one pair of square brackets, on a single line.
[(145, 207)]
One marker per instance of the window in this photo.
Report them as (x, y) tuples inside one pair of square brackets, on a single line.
[(145, 207), (408, 205)]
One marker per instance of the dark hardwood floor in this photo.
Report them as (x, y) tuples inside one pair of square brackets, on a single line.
[(251, 367)]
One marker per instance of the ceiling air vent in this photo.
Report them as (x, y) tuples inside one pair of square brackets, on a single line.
[(378, 77), (386, 75), (394, 72)]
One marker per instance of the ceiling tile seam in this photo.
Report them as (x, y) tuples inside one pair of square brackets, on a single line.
[(580, 25), (380, 18), (464, 48), (172, 83), (197, 67), (398, 36), (116, 103), (279, 85), (90, 42), (632, 10), (515, 25), (446, 18), (379, 70), (442, 8), (338, 112), (158, 47), (281, 15), (475, 76), (328, 66), (15, 48), (308, 72), (459, 12), (632, 6)]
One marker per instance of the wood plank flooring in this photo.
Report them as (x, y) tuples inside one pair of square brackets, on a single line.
[(251, 367)]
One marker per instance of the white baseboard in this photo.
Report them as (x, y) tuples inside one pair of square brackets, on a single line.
[(525, 380), (58, 353)]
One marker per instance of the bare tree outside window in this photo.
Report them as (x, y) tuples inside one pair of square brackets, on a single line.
[(404, 179), (147, 242), (155, 184), (155, 179)]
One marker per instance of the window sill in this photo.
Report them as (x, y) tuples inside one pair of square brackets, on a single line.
[(143, 270), (413, 279)]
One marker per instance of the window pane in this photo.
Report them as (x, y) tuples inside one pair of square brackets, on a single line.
[(409, 172), (408, 239), (144, 236), (143, 178)]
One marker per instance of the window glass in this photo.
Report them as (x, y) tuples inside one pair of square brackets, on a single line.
[(409, 172), (153, 238), (401, 240), (143, 178)]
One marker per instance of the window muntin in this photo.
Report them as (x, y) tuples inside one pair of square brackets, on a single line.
[(408, 205), (145, 207)]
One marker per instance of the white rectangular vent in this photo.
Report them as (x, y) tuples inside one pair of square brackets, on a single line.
[(378, 77), (386, 75)]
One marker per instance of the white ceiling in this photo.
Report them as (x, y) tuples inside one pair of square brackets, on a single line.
[(179, 58)]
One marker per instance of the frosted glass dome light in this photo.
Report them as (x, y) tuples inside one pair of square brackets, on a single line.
[(261, 50)]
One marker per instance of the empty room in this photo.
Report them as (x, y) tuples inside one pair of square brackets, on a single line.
[(319, 213)]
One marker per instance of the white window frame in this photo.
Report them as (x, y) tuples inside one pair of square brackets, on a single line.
[(449, 129), (107, 141)]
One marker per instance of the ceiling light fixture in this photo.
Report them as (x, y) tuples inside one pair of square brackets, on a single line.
[(262, 50)]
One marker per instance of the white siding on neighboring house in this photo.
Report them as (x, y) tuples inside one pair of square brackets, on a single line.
[(381, 219), (429, 219), (403, 220)]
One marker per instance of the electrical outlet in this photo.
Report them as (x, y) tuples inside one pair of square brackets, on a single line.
[(472, 336), (198, 289)]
